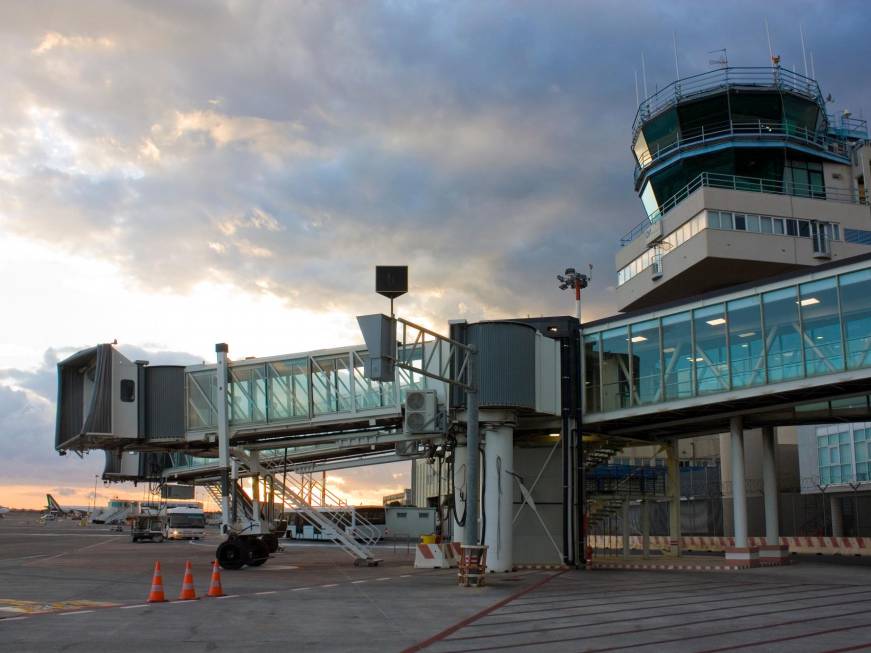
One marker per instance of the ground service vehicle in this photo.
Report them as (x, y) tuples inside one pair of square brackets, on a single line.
[(183, 523)]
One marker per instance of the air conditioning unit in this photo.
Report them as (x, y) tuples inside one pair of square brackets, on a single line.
[(421, 411), (656, 268)]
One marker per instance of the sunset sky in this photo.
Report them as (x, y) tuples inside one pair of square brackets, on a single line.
[(176, 174)]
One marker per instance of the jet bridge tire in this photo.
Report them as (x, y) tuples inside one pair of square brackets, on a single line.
[(270, 540), (231, 555), (258, 552)]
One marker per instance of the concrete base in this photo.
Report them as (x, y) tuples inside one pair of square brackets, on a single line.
[(742, 556), (774, 553)]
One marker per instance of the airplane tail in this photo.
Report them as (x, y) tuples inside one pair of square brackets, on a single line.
[(52, 505)]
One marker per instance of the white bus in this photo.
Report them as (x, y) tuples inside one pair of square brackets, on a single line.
[(183, 523)]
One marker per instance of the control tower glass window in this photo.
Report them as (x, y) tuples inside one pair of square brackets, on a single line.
[(856, 309), (782, 335), (712, 372), (821, 327), (615, 369), (646, 368)]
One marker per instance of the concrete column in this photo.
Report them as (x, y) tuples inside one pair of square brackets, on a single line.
[(499, 493), (627, 549), (739, 497), (645, 528), (461, 459), (769, 487), (837, 513), (673, 480), (223, 425)]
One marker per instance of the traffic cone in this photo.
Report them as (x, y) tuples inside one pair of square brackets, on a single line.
[(215, 588), (188, 593), (156, 594)]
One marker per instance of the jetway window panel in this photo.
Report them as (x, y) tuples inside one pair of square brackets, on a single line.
[(677, 350), (855, 295), (368, 393), (202, 400), (615, 369), (783, 350), (712, 372), (410, 381), (288, 389), (646, 362), (592, 374), (331, 385), (821, 327), (247, 394), (746, 350), (128, 390)]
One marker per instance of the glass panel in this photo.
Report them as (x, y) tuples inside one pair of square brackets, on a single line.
[(288, 389), (753, 223), (712, 374), (777, 223), (331, 391), (740, 222), (202, 399), (856, 309), (713, 219), (677, 356), (369, 393), (846, 453), (822, 327), (825, 476), (861, 452), (765, 225), (836, 474), (782, 338), (247, 394), (824, 456), (615, 369), (804, 229), (747, 353), (646, 369), (592, 380), (409, 381)]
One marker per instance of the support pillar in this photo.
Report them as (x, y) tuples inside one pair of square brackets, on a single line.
[(458, 510), (255, 498), (627, 550), (741, 554), (772, 550), (223, 425), (499, 492), (673, 478), (645, 528), (836, 509)]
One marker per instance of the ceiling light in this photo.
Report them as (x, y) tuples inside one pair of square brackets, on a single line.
[(749, 334), (668, 350), (717, 321), (810, 301), (637, 338)]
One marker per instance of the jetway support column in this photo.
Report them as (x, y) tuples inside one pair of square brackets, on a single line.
[(458, 510), (772, 550), (255, 497), (740, 555), (498, 429), (221, 371), (673, 478)]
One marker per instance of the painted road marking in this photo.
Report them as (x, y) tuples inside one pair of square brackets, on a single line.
[(405, 576), (138, 605), (356, 582), (330, 585), (264, 593), (300, 589), (229, 596), (384, 578), (77, 612)]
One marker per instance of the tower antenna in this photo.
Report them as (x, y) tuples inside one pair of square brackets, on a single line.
[(674, 41), (644, 74), (803, 53), (813, 67), (768, 36), (637, 99)]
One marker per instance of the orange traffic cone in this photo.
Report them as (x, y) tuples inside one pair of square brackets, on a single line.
[(188, 593), (156, 594), (215, 588)]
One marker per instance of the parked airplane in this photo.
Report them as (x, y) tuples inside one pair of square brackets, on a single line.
[(54, 510), (3, 511)]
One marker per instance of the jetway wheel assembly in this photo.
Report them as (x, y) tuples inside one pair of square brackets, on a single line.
[(239, 550)]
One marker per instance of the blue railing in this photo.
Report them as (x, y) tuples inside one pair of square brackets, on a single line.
[(724, 78), (735, 182)]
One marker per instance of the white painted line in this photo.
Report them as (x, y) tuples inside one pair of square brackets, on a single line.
[(138, 605), (300, 589), (331, 585), (63, 614), (405, 576), (12, 619), (228, 596), (263, 593), (356, 582), (383, 578)]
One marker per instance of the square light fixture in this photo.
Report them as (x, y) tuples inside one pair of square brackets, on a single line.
[(717, 321), (638, 338), (748, 334), (810, 301)]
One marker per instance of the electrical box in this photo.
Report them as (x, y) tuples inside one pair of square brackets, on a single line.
[(421, 412)]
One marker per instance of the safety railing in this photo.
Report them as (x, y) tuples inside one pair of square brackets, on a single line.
[(723, 78), (757, 129), (737, 182)]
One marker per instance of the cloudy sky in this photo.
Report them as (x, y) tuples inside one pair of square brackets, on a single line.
[(174, 174)]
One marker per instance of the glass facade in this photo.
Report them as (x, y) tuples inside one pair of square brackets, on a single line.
[(799, 331), (294, 389), (843, 453)]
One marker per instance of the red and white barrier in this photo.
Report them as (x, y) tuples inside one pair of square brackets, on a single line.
[(798, 544), (437, 556)]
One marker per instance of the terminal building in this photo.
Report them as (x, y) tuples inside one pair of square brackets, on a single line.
[(740, 360)]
